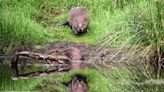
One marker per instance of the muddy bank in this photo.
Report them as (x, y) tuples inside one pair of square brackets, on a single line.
[(79, 54), (65, 59), (87, 50), (93, 53)]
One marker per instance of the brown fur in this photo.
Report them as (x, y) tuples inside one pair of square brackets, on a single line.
[(73, 53), (78, 85), (78, 20)]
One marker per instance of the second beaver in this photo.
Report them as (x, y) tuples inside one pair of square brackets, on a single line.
[(78, 19)]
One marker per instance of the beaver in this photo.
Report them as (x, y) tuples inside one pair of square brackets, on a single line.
[(73, 53), (78, 20)]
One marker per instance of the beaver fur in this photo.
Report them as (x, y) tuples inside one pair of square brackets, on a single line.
[(73, 53), (78, 20), (78, 84)]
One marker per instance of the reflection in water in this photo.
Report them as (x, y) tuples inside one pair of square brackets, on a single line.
[(26, 68), (8, 84), (14, 70), (5, 74), (31, 68)]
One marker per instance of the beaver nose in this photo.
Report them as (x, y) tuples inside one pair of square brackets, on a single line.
[(80, 30)]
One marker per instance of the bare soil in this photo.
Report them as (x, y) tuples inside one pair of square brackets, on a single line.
[(91, 53), (87, 50)]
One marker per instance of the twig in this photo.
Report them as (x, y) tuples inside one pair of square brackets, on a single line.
[(39, 56)]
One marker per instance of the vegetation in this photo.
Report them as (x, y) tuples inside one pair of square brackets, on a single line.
[(135, 26)]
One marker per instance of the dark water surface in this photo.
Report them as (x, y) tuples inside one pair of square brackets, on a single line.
[(10, 82), (8, 74)]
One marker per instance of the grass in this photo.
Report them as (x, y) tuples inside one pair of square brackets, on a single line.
[(128, 21), (136, 27), (17, 28)]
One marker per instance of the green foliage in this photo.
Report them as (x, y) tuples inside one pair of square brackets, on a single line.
[(129, 24), (138, 21), (16, 27), (19, 29)]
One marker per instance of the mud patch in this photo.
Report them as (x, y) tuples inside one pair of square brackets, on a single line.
[(87, 50), (91, 53)]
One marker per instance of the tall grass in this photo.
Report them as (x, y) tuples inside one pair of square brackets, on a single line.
[(134, 20), (17, 28), (134, 28)]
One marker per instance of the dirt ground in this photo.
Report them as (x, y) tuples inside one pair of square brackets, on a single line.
[(91, 53), (87, 50)]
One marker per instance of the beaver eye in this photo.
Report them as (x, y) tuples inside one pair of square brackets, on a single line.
[(76, 25)]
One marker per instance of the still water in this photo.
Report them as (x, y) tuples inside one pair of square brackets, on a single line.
[(10, 82), (27, 68)]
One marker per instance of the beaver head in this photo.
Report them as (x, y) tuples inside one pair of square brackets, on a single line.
[(80, 25), (79, 20)]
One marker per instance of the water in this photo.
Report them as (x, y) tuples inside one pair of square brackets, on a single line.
[(26, 68), (7, 73), (10, 82)]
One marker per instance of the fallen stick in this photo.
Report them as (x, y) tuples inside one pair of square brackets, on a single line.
[(73, 61), (39, 56)]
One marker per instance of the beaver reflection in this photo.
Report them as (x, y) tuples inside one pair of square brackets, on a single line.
[(78, 84), (74, 54)]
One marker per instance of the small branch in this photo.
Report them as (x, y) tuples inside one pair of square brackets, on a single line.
[(39, 56)]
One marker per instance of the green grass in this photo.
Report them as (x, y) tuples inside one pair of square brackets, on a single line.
[(127, 23), (135, 26), (17, 28)]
